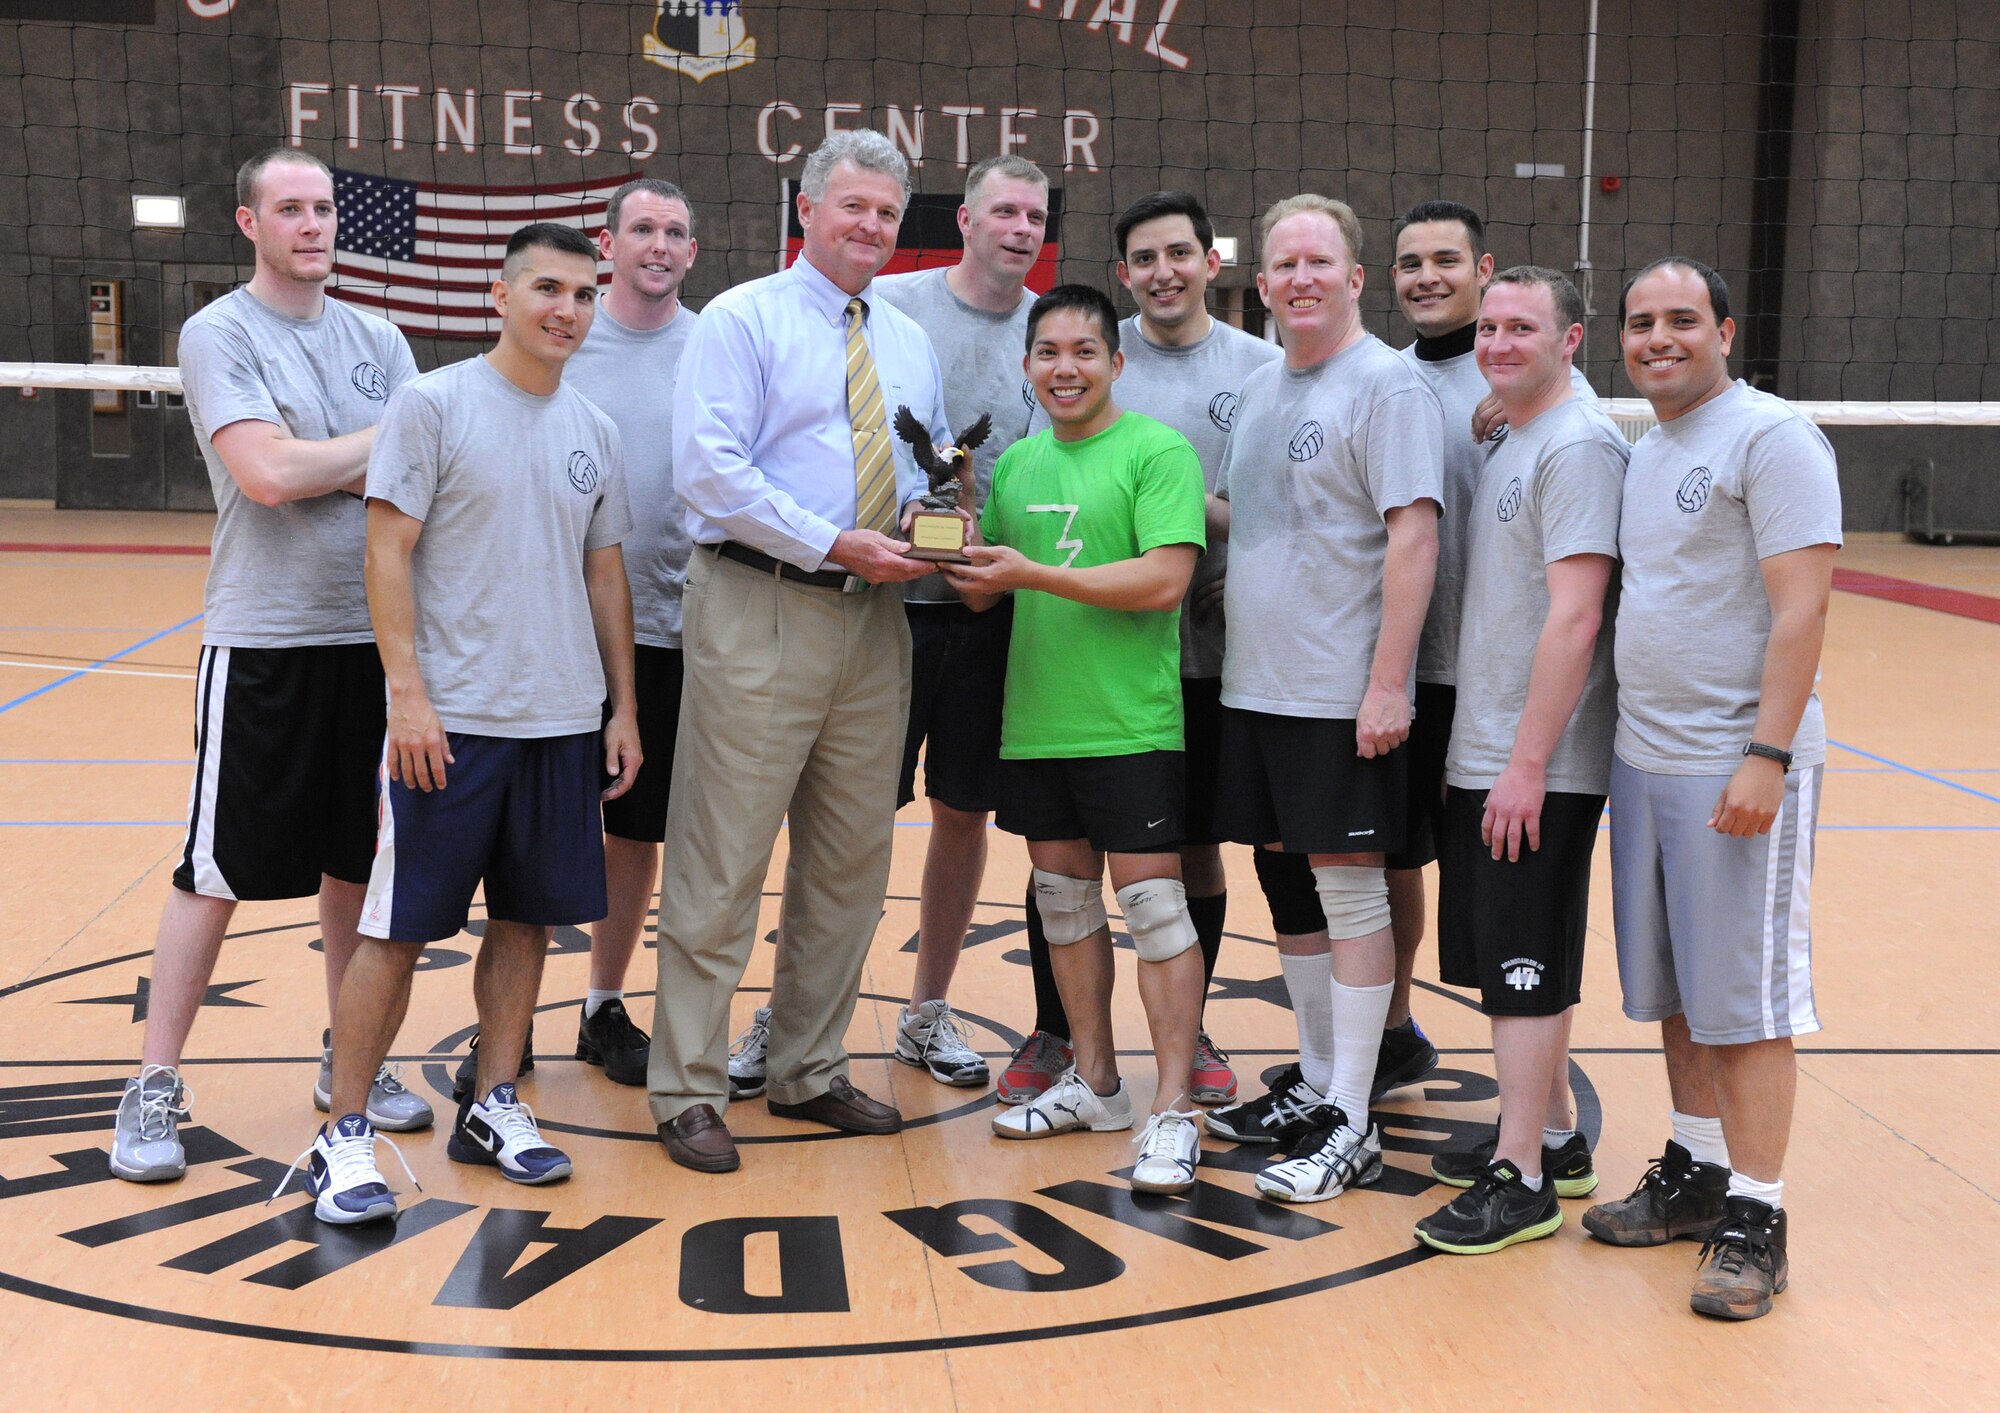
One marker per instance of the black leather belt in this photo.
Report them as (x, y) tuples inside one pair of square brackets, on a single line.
[(836, 579)]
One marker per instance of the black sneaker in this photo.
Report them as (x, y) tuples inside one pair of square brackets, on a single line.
[(1279, 1116), (468, 1068), (1676, 1200), (1743, 1263), (1406, 1056), (1569, 1166), (1499, 1210), (607, 1037)]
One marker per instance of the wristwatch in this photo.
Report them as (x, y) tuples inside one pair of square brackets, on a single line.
[(1758, 748)]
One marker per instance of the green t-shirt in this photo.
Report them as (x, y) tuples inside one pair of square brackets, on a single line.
[(1085, 681)]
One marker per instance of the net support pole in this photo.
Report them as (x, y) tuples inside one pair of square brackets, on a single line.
[(1589, 133)]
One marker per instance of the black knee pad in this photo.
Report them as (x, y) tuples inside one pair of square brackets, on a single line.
[(1290, 891)]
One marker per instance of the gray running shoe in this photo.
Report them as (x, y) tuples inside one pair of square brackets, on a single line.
[(391, 1107), (747, 1054), (146, 1145), (934, 1039)]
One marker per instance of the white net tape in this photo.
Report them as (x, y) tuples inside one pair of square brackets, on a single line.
[(1632, 414)]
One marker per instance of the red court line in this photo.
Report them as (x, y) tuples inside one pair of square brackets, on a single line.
[(1957, 602), (11, 548)]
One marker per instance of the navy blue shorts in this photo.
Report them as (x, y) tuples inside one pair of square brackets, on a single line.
[(519, 815)]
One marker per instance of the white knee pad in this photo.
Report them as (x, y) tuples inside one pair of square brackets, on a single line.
[(1355, 900), (1157, 917), (1071, 908)]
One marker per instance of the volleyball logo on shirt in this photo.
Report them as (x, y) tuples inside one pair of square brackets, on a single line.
[(582, 472), (1510, 501), (1307, 442), (1694, 488), (370, 381), (1222, 409)]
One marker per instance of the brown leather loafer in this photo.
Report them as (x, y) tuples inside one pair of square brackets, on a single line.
[(843, 1107), (697, 1138)]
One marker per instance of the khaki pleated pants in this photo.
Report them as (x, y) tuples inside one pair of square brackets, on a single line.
[(795, 704)]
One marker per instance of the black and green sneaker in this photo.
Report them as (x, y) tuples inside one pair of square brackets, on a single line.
[(1499, 1210), (1568, 1166)]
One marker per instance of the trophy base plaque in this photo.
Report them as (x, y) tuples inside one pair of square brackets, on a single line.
[(938, 536)]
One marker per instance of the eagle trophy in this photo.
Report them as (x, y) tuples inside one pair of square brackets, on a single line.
[(937, 532)]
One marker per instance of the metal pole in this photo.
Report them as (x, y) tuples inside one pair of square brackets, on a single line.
[(1589, 131)]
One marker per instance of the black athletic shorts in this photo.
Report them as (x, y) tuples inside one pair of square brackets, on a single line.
[(641, 812), (1296, 781), (287, 744), (1430, 738), (1201, 711), (1121, 804), (958, 677), (1515, 931)]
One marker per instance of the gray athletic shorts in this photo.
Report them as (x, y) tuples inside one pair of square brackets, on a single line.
[(1718, 929)]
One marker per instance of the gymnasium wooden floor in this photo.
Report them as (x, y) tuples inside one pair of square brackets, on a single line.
[(944, 1268)]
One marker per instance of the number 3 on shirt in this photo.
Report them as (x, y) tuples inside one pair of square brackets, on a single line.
[(1063, 542)]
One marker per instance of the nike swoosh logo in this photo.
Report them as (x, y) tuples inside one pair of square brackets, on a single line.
[(1156, 823)]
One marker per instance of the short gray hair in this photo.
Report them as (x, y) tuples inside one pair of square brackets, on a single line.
[(1013, 165), (865, 148)]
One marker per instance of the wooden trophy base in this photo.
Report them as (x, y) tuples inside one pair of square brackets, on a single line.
[(938, 536)]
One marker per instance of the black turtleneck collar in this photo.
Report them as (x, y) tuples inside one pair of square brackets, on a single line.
[(1445, 346)]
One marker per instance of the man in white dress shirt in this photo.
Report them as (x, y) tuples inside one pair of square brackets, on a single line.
[(797, 658)]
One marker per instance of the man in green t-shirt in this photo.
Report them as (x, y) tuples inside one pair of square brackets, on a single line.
[(1097, 522)]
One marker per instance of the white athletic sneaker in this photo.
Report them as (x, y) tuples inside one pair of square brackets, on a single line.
[(499, 1132), (346, 1186), (1347, 1159), (1065, 1106), (934, 1039), (391, 1107), (747, 1054), (146, 1139), (1169, 1148)]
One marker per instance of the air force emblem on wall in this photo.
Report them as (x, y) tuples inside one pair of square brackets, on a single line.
[(582, 472), (1222, 409), (1510, 500), (699, 38), (1694, 488), (370, 381), (1307, 442)]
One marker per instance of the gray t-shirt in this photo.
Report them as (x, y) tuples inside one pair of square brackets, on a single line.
[(1195, 391), (629, 374), (979, 353), (1316, 460), (287, 576), (1709, 495), (1549, 490), (513, 490), (1460, 387)]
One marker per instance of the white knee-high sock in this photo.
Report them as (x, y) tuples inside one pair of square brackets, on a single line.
[(1358, 1015), (1307, 980)]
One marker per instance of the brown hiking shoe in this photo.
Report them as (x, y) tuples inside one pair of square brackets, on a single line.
[(1743, 1263), (1677, 1199)]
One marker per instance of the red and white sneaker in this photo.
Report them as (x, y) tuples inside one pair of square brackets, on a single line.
[(1210, 1080), (1042, 1060)]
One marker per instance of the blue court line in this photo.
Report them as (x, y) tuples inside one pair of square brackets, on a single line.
[(1895, 764), (48, 687)]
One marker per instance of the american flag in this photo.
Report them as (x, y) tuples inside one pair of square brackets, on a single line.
[(425, 254)]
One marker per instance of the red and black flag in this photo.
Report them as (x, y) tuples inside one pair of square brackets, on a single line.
[(929, 237)]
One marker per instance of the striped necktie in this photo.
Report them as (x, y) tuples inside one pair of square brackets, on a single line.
[(874, 461)]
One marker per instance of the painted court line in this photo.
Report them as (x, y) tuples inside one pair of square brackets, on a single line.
[(1907, 770), (16, 548), (1960, 603), (187, 676), (64, 681)]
